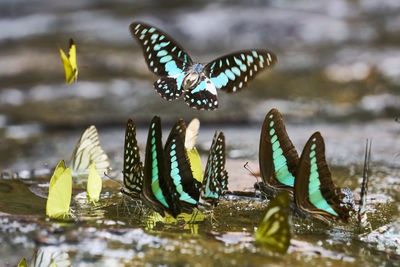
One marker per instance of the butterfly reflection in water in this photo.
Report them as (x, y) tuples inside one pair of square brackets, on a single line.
[(198, 82)]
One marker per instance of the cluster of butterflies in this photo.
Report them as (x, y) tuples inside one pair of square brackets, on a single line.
[(180, 75), (170, 181), (307, 179)]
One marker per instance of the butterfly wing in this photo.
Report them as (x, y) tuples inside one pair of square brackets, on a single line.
[(94, 184), (164, 56), (60, 190), (203, 96), (232, 72), (158, 188), (215, 170), (133, 167), (274, 230), (278, 157), (179, 168), (314, 190), (88, 150), (70, 63)]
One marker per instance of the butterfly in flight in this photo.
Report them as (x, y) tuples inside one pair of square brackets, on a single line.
[(274, 230), (197, 82), (69, 63)]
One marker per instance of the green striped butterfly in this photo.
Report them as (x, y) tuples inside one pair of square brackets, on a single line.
[(278, 157), (314, 191), (178, 167), (133, 167), (158, 187), (215, 180), (274, 230)]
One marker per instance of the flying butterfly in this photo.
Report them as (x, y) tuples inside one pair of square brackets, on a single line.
[(159, 191), (69, 63), (192, 132), (87, 151), (60, 190), (314, 191), (215, 180), (133, 167), (278, 157), (178, 167), (199, 83), (274, 230)]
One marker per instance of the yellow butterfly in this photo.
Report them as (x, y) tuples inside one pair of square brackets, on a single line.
[(70, 64), (60, 190), (192, 131), (274, 230), (94, 184), (22, 263)]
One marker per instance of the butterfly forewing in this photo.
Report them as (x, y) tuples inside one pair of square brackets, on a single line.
[(314, 190), (178, 167), (274, 230), (232, 72), (278, 157), (133, 167)]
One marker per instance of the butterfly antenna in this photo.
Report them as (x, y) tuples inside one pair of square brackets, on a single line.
[(113, 179), (247, 167), (364, 185)]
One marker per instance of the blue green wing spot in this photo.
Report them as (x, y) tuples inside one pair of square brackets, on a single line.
[(274, 230), (203, 96), (278, 157), (133, 167), (158, 189), (314, 191), (164, 56), (232, 72), (178, 167), (215, 175)]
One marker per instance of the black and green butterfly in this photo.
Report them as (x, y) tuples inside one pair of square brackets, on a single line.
[(178, 167), (277, 155), (281, 169), (158, 187), (215, 181), (133, 167), (199, 83), (314, 191), (274, 230)]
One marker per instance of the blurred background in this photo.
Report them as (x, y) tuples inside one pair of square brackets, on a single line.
[(338, 70)]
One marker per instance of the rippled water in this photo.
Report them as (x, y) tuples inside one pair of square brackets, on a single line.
[(338, 73)]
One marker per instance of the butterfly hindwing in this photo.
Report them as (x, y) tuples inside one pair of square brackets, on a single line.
[(314, 190), (133, 167), (158, 187), (203, 96), (215, 173), (277, 155), (274, 230), (232, 72), (164, 56), (178, 167)]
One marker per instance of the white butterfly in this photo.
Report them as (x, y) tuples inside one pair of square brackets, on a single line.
[(88, 151)]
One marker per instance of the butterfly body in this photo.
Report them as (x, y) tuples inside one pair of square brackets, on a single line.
[(198, 82)]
